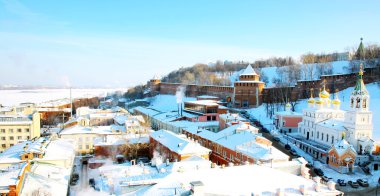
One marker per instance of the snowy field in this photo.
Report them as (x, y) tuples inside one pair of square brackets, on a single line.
[(344, 96), (15, 97)]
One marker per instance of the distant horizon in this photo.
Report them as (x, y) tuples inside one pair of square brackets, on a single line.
[(123, 44)]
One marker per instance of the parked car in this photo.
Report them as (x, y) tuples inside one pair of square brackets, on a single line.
[(353, 184), (91, 182), (309, 165), (325, 179), (75, 177), (276, 138), (287, 147), (143, 160), (265, 130), (293, 153), (243, 112), (362, 182), (73, 182), (318, 171), (341, 182)]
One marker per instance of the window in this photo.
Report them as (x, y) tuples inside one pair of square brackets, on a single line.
[(27, 137), (3, 145), (19, 137), (11, 138), (2, 138), (2, 130), (231, 157), (332, 139), (19, 130), (27, 130), (10, 130), (80, 146), (87, 146), (327, 137), (322, 136)]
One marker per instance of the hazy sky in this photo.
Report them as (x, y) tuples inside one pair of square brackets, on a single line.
[(122, 43)]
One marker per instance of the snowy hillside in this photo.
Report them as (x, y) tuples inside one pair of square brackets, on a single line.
[(15, 97), (344, 96), (338, 67)]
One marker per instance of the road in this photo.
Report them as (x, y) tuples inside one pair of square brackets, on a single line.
[(84, 177), (276, 144)]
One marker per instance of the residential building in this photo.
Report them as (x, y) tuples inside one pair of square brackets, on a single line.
[(175, 147), (238, 144), (15, 128), (287, 121), (48, 175)]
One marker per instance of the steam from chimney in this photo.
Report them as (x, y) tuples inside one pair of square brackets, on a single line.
[(180, 94)]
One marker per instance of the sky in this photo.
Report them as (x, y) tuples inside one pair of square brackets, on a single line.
[(122, 43)]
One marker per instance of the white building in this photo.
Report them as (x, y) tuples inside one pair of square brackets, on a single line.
[(325, 123)]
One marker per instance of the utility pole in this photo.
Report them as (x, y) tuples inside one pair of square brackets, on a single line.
[(71, 105)]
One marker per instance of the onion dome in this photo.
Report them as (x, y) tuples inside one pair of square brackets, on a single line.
[(324, 94), (319, 102), (336, 101)]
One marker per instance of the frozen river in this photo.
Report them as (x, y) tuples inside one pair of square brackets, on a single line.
[(15, 97)]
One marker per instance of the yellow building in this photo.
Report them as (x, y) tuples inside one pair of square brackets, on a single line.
[(15, 128), (84, 136)]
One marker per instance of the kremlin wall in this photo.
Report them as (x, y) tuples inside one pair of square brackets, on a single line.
[(250, 92)]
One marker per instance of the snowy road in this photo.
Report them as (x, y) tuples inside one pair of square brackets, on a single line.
[(84, 177)]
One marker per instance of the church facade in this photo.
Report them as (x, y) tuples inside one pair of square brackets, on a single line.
[(325, 124)]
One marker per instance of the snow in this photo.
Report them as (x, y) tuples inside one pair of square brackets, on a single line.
[(373, 88), (237, 180), (178, 143), (165, 103), (15, 97), (249, 71), (338, 67)]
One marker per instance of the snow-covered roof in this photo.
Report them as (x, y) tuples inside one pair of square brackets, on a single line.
[(333, 124), (178, 143), (342, 146), (15, 119), (203, 102), (262, 152), (289, 113), (86, 130), (212, 136), (9, 175), (207, 97), (234, 181), (230, 117), (146, 111), (248, 71), (54, 103), (13, 153)]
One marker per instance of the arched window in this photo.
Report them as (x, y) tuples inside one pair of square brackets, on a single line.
[(358, 102), (327, 137), (364, 103)]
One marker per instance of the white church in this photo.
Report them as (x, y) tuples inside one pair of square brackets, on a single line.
[(323, 122)]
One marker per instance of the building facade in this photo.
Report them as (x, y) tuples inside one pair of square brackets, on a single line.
[(17, 128)]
